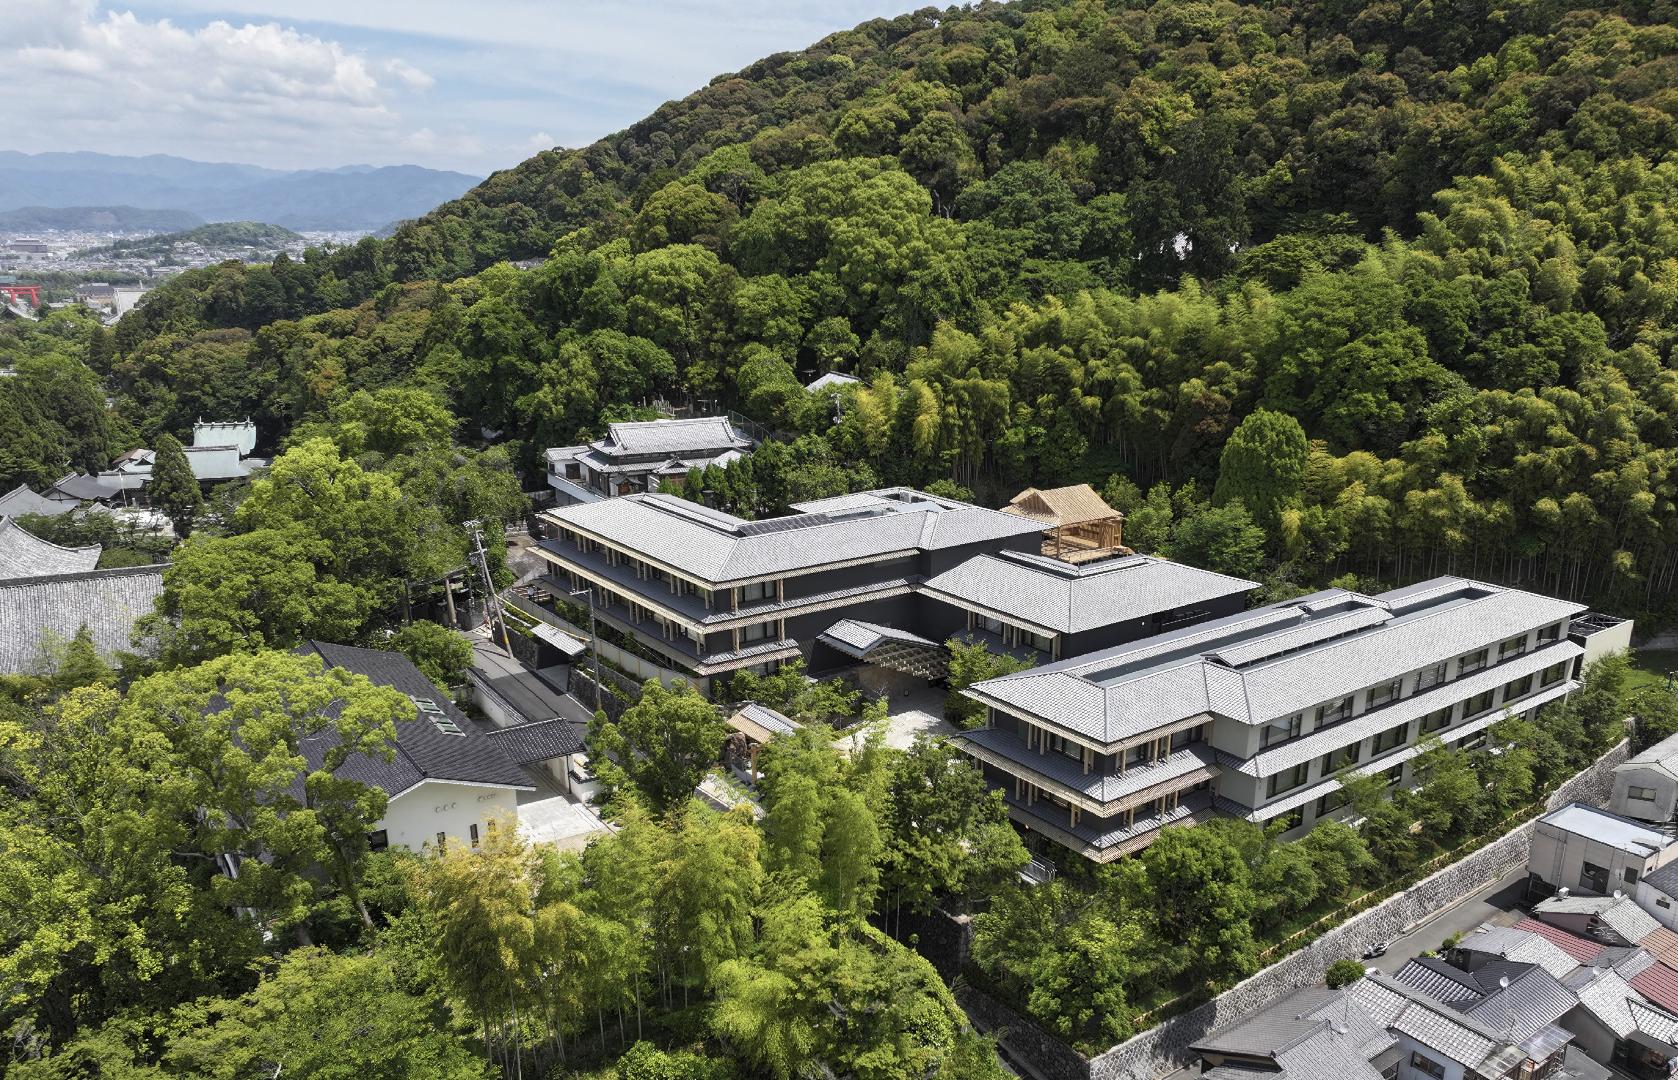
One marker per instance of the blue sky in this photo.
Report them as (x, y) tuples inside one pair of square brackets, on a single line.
[(473, 85)]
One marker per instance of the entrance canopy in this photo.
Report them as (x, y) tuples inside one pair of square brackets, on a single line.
[(888, 647)]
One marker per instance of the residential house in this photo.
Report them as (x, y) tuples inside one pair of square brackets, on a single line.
[(638, 457), (876, 578), (1312, 1034), (219, 452), (1259, 714), (447, 781), (1646, 786), (1584, 849), (1615, 920)]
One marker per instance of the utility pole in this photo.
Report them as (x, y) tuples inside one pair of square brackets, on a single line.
[(493, 599), (593, 641)]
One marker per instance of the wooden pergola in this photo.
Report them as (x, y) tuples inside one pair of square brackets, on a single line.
[(1078, 525)]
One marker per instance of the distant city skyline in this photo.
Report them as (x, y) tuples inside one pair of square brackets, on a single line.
[(294, 84)]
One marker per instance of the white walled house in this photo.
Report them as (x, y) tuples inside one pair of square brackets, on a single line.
[(447, 781), (1590, 851), (1646, 786)]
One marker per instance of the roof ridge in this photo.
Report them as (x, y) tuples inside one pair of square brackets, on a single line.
[(9, 521), (108, 572)]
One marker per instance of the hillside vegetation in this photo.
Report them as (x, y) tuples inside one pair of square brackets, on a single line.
[(1424, 252), (251, 236)]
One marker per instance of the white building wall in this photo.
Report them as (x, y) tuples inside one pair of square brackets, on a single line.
[(1558, 858), (414, 818), (1658, 811), (1406, 1071), (1664, 908)]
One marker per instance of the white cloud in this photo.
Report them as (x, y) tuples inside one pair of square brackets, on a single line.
[(539, 141), (118, 82)]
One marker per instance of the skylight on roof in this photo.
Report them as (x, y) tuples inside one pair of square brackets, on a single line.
[(434, 712)]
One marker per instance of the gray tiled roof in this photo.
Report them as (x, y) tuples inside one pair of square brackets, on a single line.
[(25, 555), (108, 602), (423, 750), (768, 719), (1663, 756), (1067, 599), (1312, 1034), (717, 547), (23, 500), (1432, 1023), (1520, 946), (540, 740), (1440, 981), (857, 637), (1620, 914), (98, 486), (673, 436), (1607, 996), (1133, 688), (1664, 878)]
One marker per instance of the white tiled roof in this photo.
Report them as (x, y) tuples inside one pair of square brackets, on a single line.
[(674, 436)]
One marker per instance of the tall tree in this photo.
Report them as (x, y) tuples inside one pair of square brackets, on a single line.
[(173, 488), (662, 745)]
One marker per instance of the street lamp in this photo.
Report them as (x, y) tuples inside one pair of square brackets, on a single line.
[(593, 640)]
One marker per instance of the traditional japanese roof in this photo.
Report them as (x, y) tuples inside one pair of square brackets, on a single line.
[(831, 380), (1607, 996), (98, 486), (437, 743), (712, 546), (23, 500), (1273, 661), (1525, 946), (1058, 597), (857, 637), (1664, 878), (240, 434), (1408, 1011), (1055, 507), (107, 602), (1618, 915), (1518, 1000), (673, 436), (541, 740), (1312, 1034), (1581, 950), (760, 723), (1661, 757), (25, 555)]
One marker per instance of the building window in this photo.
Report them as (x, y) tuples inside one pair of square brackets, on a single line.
[(989, 625), (378, 841), (757, 590), (762, 631), (1428, 678), (1291, 820), (1287, 781), (1334, 712), (474, 834), (442, 842), (1640, 794), (1394, 775), (1036, 641), (1184, 738), (1663, 902), (1331, 802), (1422, 1063), (1139, 755), (1381, 695), (1437, 720), (1391, 738), (1550, 633), (1515, 688), (1061, 745), (1283, 730), (1477, 704), (1347, 755), (1630, 875), (1593, 877), (1474, 661), (1553, 674), (1515, 646)]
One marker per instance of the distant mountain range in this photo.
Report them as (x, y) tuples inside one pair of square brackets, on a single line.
[(95, 218), (352, 197)]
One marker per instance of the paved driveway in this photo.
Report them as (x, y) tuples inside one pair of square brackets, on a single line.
[(557, 820), (916, 709)]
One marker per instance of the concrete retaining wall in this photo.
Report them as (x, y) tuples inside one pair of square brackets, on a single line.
[(1164, 1048)]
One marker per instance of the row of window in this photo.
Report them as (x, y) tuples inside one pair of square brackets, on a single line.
[(1013, 635), (1397, 735)]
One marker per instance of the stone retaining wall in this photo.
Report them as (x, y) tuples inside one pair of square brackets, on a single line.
[(1164, 1048)]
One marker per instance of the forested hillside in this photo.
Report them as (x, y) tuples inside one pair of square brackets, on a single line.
[(1431, 247)]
